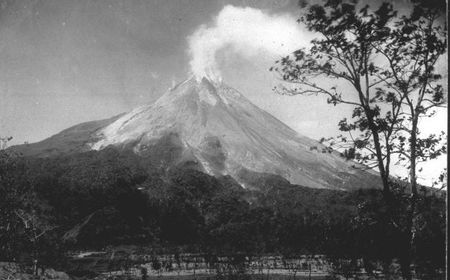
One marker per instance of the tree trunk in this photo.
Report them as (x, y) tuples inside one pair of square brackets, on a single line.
[(35, 270), (405, 265), (406, 259), (310, 272)]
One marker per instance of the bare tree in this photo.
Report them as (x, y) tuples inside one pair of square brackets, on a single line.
[(35, 228), (4, 142)]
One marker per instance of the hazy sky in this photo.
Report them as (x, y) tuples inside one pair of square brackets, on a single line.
[(63, 62)]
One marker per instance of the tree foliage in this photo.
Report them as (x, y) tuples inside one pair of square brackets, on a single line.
[(111, 198), (389, 61)]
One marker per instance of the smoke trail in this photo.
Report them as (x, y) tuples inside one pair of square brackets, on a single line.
[(245, 31)]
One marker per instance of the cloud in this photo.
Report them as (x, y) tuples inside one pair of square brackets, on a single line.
[(247, 32)]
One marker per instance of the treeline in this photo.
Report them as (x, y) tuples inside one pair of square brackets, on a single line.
[(96, 199)]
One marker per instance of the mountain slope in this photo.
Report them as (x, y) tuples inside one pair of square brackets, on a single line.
[(217, 130), (70, 140), (228, 135)]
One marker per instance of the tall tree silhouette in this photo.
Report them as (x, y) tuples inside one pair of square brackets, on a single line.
[(389, 61)]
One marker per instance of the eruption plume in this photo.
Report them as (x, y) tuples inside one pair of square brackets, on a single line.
[(247, 32)]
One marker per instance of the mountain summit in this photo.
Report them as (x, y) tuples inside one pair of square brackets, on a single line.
[(214, 127)]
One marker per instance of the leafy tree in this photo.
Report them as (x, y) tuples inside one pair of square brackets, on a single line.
[(345, 51), (389, 61)]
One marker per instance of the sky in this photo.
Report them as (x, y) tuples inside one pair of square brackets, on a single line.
[(63, 62)]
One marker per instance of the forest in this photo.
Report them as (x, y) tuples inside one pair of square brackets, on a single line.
[(89, 201)]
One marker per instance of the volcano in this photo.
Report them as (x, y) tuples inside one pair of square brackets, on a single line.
[(215, 129)]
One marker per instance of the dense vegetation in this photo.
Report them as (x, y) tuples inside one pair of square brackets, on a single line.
[(94, 199)]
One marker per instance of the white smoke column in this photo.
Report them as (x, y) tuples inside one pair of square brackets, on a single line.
[(246, 31)]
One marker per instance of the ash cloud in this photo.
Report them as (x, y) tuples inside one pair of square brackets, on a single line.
[(247, 32)]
